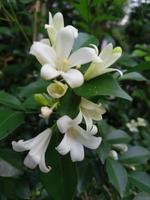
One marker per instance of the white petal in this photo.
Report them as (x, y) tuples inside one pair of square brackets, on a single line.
[(87, 139), (78, 119), (93, 130), (43, 166), (73, 30), (106, 51), (113, 70), (64, 42), (82, 56), (64, 147), (88, 122), (48, 72), (45, 41), (73, 77), (43, 52), (64, 123), (51, 33), (110, 55), (58, 21), (22, 145), (30, 162), (76, 151), (50, 19)]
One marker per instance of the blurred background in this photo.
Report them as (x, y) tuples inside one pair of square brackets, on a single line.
[(124, 23)]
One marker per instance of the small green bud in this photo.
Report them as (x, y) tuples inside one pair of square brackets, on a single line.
[(41, 99), (117, 50)]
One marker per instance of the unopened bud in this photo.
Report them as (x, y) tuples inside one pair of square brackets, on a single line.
[(141, 122), (121, 147), (45, 112), (113, 154), (41, 99)]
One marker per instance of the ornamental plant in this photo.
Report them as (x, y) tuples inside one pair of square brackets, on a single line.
[(69, 99)]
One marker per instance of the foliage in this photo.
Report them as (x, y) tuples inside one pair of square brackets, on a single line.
[(99, 176)]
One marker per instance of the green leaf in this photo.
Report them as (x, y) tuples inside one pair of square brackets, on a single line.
[(10, 100), (138, 53), (117, 136), (61, 181), (34, 87), (102, 85), (69, 104), (142, 196), (135, 155), (9, 121), (31, 104), (117, 175), (84, 40), (11, 157), (141, 67), (141, 180), (132, 76), (103, 151)]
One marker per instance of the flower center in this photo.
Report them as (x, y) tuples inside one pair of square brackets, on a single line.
[(72, 132), (63, 65)]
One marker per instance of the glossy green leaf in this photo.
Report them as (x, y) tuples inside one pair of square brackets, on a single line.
[(84, 40), (103, 151), (135, 154), (141, 67), (9, 121), (69, 104), (102, 85), (31, 104), (34, 87), (11, 157), (61, 181), (133, 76), (117, 175), (142, 196), (10, 100), (141, 180), (117, 136)]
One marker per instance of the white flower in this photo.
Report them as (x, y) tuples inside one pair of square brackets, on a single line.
[(91, 111), (37, 147), (105, 59), (141, 122), (132, 126), (75, 138), (59, 61), (55, 24)]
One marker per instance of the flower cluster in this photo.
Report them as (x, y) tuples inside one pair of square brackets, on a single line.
[(61, 64), (134, 124)]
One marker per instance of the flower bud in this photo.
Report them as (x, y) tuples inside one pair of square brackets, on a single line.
[(45, 112), (113, 154), (41, 99), (121, 147), (57, 89), (141, 122)]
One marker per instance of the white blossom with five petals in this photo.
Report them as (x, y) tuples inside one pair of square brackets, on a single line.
[(59, 61), (37, 147), (75, 138), (103, 61)]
